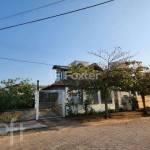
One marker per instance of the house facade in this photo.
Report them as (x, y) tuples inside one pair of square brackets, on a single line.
[(115, 101)]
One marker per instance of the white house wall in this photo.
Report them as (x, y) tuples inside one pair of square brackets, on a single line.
[(101, 107), (97, 107)]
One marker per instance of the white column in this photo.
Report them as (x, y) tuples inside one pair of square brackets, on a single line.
[(136, 94), (84, 96), (37, 105), (113, 97), (66, 95), (63, 102), (99, 97)]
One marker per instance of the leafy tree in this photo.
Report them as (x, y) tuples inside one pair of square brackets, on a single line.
[(143, 85), (108, 71), (16, 93), (139, 77)]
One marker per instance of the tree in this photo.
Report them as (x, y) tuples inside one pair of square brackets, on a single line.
[(139, 77), (16, 93), (107, 70)]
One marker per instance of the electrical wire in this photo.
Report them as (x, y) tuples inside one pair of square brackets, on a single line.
[(69, 12), (20, 48), (39, 63), (27, 11)]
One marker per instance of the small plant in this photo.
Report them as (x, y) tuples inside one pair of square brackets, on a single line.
[(92, 112), (121, 109), (91, 100), (70, 107), (86, 105)]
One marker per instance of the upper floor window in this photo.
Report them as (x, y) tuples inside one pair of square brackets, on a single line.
[(58, 75)]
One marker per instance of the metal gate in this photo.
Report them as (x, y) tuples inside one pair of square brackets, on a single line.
[(51, 104)]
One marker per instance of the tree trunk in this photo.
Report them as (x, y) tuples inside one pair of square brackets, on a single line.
[(143, 100), (106, 104)]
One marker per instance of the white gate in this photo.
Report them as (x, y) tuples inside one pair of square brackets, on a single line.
[(51, 104)]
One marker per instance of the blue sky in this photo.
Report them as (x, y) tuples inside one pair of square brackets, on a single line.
[(62, 40)]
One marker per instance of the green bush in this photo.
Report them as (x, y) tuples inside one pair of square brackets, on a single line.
[(16, 94), (121, 109), (71, 107), (92, 111)]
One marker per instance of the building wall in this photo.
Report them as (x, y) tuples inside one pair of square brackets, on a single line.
[(101, 107), (147, 101), (98, 106)]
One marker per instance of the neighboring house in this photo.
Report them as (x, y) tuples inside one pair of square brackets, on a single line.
[(61, 84)]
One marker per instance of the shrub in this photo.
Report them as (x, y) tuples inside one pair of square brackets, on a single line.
[(92, 112), (70, 107), (121, 109), (16, 95)]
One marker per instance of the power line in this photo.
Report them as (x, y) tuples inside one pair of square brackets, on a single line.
[(26, 49), (39, 63), (32, 9), (69, 12)]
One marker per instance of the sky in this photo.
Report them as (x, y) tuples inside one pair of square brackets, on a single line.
[(61, 40)]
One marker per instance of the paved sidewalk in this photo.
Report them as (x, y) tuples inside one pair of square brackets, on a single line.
[(104, 135)]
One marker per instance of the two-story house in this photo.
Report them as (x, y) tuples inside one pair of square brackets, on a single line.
[(61, 84)]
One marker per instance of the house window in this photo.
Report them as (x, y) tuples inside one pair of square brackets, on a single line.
[(58, 75), (95, 97), (109, 98)]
